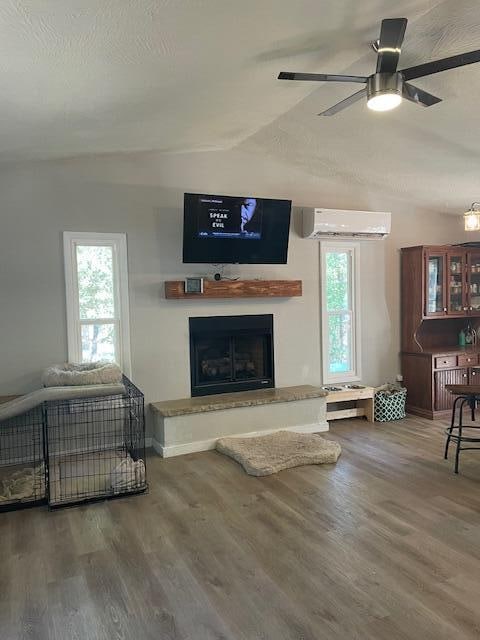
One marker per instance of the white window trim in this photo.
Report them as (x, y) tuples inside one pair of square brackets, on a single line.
[(118, 242), (356, 373)]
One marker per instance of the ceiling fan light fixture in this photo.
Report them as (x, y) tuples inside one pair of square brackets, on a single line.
[(384, 91), (384, 101), (471, 217)]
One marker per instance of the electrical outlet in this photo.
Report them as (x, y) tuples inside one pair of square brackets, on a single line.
[(399, 377)]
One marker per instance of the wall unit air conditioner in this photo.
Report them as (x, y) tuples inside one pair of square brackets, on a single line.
[(328, 223)]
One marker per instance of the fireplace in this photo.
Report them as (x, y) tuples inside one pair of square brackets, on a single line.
[(231, 353)]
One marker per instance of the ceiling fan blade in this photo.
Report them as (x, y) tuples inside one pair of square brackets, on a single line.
[(444, 64), (344, 103), (392, 34), (414, 94), (319, 77)]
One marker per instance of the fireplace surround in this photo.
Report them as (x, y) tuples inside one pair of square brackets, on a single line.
[(231, 353)]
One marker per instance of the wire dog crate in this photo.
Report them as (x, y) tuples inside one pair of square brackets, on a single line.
[(95, 447), (66, 452), (22, 468)]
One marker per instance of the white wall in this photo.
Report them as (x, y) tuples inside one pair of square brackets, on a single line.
[(142, 195)]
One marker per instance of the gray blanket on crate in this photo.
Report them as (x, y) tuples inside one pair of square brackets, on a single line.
[(23, 404), (68, 382)]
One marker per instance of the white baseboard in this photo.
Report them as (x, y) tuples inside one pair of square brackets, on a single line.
[(169, 451)]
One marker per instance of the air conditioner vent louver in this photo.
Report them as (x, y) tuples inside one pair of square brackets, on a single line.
[(337, 223)]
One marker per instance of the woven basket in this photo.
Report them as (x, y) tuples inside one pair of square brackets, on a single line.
[(390, 403)]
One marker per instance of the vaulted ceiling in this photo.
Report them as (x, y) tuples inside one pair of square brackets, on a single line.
[(108, 76)]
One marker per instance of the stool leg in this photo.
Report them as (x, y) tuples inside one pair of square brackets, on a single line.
[(452, 423), (460, 426)]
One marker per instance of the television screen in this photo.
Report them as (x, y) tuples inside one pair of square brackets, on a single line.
[(230, 229)]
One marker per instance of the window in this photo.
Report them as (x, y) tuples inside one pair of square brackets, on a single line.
[(340, 317), (96, 279)]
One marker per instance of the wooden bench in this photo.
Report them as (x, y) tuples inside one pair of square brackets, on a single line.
[(363, 398)]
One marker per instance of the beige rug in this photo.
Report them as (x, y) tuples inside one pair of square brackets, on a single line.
[(264, 455)]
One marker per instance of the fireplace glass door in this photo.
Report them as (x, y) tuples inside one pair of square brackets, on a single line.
[(248, 357), (214, 360), (229, 359), (231, 353)]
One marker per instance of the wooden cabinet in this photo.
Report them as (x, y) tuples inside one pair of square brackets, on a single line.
[(443, 398), (440, 295), (425, 376), (449, 280)]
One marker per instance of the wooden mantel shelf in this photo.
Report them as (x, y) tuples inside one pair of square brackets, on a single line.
[(175, 289)]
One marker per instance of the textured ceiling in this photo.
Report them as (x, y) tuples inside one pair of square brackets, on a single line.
[(104, 76)]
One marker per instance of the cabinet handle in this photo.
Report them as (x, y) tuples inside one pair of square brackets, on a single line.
[(469, 359), (465, 308), (464, 375), (445, 309), (473, 373), (471, 308)]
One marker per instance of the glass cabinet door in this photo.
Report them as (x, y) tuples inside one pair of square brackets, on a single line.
[(435, 284), (473, 283), (456, 298)]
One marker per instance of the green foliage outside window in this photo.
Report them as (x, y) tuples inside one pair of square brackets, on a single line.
[(338, 300), (337, 281), (96, 300), (95, 282)]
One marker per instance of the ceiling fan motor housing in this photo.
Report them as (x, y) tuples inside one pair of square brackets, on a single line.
[(381, 83)]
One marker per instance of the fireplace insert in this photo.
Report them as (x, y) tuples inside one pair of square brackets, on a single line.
[(231, 353)]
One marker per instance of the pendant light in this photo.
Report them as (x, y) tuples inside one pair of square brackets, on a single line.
[(472, 217)]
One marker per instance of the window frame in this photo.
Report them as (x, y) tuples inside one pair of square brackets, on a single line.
[(118, 242), (353, 248)]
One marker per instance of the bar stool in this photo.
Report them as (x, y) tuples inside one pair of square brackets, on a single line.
[(467, 396)]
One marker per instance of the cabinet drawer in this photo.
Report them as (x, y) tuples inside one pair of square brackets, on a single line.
[(445, 362), (474, 377), (469, 360)]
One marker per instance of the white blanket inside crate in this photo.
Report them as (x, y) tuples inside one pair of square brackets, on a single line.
[(94, 474), (127, 475), (20, 483)]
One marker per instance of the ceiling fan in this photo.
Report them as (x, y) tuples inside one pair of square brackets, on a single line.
[(386, 87)]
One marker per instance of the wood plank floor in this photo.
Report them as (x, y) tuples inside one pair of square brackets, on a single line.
[(383, 545)]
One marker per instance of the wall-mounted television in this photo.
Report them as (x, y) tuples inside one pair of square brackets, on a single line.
[(235, 229)]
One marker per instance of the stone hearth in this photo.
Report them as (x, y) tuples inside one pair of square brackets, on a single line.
[(194, 424)]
